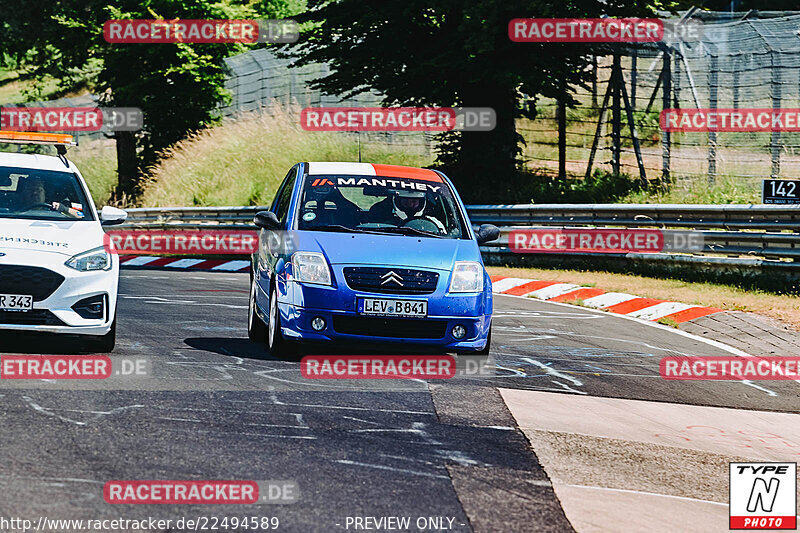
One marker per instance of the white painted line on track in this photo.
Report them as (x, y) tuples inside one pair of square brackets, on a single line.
[(684, 498), (710, 342)]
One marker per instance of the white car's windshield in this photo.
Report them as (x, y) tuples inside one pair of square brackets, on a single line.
[(41, 195), (380, 204)]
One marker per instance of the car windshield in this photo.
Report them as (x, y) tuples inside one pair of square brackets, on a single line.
[(41, 195), (375, 204)]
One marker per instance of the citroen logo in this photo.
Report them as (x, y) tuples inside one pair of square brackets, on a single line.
[(391, 276)]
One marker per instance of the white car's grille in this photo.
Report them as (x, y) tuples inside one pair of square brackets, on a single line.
[(35, 281)]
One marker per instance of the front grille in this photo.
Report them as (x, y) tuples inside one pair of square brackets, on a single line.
[(35, 317), (35, 281), (400, 328), (381, 280)]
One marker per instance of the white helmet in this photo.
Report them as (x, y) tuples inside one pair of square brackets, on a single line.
[(409, 204)]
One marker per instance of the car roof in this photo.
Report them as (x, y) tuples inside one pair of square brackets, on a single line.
[(35, 161), (370, 169)]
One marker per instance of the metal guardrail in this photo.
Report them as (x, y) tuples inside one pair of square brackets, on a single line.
[(771, 232), (728, 217)]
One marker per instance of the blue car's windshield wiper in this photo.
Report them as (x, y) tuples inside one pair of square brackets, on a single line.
[(339, 227), (405, 230)]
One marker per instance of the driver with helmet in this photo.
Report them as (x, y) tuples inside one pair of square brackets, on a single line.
[(401, 207)]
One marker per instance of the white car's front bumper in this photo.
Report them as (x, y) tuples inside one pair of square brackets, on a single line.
[(55, 313)]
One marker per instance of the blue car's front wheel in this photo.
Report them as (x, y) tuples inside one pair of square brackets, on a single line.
[(485, 351), (276, 342), (256, 329), (482, 351)]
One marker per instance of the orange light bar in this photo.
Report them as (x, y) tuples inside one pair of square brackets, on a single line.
[(27, 137)]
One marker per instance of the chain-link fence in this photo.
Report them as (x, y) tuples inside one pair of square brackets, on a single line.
[(258, 79), (86, 100), (738, 61)]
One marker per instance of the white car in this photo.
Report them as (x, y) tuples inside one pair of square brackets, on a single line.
[(56, 272)]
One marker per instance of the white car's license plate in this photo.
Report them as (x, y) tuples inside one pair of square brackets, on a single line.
[(16, 302), (392, 307)]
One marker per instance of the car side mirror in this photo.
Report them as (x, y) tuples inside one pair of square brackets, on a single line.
[(487, 233), (267, 220), (111, 216)]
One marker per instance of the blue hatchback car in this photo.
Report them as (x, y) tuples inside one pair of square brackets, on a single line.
[(364, 254)]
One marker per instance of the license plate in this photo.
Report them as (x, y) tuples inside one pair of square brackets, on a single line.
[(392, 307), (16, 302)]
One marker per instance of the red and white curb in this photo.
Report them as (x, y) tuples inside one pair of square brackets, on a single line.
[(551, 291), (615, 302), (218, 265)]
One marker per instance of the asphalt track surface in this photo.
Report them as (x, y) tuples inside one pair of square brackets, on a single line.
[(217, 406)]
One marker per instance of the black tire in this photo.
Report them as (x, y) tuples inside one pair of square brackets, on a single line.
[(485, 351), (256, 329), (107, 342), (277, 344)]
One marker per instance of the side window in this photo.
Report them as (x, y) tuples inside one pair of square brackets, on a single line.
[(284, 197)]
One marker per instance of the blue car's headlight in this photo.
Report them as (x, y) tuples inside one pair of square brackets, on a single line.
[(467, 277), (97, 259), (310, 267)]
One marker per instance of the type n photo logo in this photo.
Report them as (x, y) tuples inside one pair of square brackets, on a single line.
[(763, 496)]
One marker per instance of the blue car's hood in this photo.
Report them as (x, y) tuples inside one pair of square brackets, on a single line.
[(395, 250)]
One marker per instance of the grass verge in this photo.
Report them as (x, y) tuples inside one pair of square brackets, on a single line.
[(97, 161), (242, 162), (785, 308), (668, 322)]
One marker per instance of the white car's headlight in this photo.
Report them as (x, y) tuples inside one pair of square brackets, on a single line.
[(97, 259), (311, 267), (467, 277)]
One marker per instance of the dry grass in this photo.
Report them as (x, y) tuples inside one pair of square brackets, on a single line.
[(97, 161), (785, 308), (242, 162)]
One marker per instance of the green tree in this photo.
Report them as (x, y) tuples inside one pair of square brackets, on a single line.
[(178, 86), (453, 53)]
